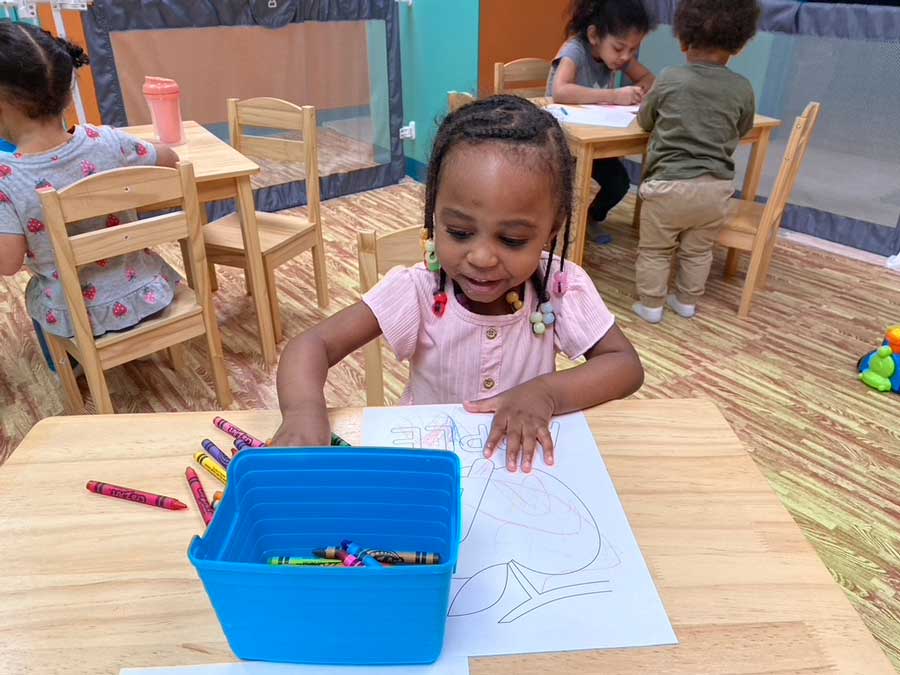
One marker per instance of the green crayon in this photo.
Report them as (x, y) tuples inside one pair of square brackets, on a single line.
[(304, 562), (337, 440)]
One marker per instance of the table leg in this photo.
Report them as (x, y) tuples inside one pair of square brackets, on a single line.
[(256, 276), (583, 164), (755, 165)]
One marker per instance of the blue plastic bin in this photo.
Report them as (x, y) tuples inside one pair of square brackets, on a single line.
[(292, 501)]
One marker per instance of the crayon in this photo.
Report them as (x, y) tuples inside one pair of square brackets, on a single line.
[(196, 486), (348, 559), (360, 552), (304, 562), (236, 432), (215, 452), (212, 467), (240, 445), (217, 498), (337, 440), (139, 496), (392, 557)]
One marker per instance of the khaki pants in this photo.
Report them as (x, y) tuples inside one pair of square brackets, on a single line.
[(683, 216)]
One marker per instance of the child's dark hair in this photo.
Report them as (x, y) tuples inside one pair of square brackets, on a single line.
[(36, 69), (609, 17), (716, 24), (519, 125)]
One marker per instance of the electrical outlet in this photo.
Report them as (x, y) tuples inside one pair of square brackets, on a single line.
[(408, 133)]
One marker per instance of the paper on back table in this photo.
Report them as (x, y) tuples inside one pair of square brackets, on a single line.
[(617, 116), (445, 666), (548, 561)]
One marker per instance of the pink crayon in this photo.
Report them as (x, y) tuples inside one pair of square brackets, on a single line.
[(199, 495), (139, 496), (235, 432)]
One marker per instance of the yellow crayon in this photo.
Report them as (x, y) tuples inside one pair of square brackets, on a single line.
[(212, 466)]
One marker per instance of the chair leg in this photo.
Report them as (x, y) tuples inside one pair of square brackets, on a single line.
[(213, 279), (247, 286), (97, 384), (757, 259), (186, 255), (274, 309), (374, 373), (176, 358), (318, 256), (72, 400), (766, 263), (731, 263), (216, 359)]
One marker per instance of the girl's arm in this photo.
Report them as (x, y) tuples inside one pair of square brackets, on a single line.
[(566, 91), (12, 253), (640, 75), (165, 156), (303, 369)]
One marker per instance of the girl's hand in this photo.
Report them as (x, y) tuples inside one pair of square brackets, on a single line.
[(628, 95), (308, 427), (522, 415)]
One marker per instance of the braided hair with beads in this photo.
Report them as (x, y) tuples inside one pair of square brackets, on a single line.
[(520, 125)]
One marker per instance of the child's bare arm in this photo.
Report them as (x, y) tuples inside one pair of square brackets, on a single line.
[(165, 156), (566, 91), (12, 253), (640, 75), (303, 369)]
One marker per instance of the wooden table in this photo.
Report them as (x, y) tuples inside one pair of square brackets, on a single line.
[(592, 142), (92, 584), (224, 173)]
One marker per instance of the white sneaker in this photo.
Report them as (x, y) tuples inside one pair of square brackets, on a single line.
[(648, 314), (682, 310)]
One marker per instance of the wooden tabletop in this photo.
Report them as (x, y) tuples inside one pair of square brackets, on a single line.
[(93, 584), (212, 157), (597, 134)]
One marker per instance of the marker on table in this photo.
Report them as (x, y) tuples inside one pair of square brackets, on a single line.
[(564, 111), (212, 467), (236, 432), (215, 452), (206, 511), (139, 496)]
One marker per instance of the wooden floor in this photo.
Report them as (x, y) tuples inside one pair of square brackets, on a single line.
[(785, 379)]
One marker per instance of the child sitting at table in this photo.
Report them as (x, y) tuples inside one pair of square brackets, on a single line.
[(481, 321), (36, 75), (696, 114), (604, 38)]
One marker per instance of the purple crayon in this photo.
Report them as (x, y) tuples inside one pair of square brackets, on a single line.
[(241, 445), (213, 451), (235, 432)]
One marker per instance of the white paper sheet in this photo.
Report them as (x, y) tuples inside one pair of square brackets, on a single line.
[(618, 116), (548, 561), (445, 666)]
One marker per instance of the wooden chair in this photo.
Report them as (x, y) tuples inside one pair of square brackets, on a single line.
[(378, 255), (753, 227), (457, 99), (519, 77), (281, 237), (189, 315)]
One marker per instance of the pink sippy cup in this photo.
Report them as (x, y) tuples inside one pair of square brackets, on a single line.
[(164, 99)]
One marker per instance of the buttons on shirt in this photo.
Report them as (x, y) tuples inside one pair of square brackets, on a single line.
[(488, 383), (492, 333)]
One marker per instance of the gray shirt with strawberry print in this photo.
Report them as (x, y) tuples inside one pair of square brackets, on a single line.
[(118, 292)]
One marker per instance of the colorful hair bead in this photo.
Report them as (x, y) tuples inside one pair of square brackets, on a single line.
[(440, 304), (560, 283)]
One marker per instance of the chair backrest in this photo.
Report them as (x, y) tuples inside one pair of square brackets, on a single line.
[(112, 192), (377, 256), (523, 77), (276, 114), (457, 99), (787, 174)]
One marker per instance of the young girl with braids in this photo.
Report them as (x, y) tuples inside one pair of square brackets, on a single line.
[(36, 75), (481, 320)]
